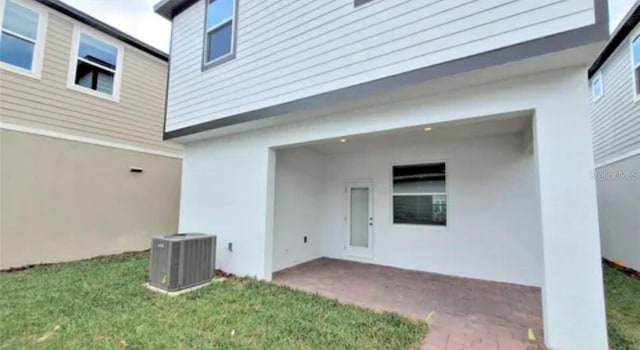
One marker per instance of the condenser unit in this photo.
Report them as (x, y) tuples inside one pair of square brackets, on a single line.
[(181, 261)]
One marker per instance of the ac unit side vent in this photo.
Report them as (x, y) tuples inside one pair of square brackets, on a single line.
[(182, 261)]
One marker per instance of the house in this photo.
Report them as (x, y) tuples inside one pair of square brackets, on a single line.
[(615, 112), (84, 170), (443, 136)]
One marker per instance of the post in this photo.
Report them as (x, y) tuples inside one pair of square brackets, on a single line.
[(572, 294)]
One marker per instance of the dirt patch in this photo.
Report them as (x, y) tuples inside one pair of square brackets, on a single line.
[(626, 270), (222, 274)]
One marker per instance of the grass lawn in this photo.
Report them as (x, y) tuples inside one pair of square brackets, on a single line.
[(623, 310), (102, 304)]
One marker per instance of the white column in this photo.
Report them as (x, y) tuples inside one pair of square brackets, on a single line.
[(573, 296), (270, 214)]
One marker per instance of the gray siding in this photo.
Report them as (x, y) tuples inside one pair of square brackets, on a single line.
[(616, 115), (288, 50)]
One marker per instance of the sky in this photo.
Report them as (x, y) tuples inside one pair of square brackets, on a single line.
[(136, 17)]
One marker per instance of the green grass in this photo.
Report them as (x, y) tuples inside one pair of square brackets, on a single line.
[(102, 304), (623, 310)]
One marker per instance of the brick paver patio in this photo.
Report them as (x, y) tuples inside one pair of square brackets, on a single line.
[(469, 313)]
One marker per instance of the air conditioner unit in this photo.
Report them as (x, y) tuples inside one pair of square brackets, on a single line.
[(181, 261)]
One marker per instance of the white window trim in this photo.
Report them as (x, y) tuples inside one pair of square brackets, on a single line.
[(73, 57), (234, 21), (635, 35), (593, 81), (446, 193), (38, 50)]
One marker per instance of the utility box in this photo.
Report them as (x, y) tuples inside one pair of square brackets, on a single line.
[(182, 261)]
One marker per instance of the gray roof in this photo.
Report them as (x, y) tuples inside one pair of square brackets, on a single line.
[(171, 8), (624, 29)]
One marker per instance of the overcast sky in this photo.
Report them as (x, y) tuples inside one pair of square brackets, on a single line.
[(136, 17)]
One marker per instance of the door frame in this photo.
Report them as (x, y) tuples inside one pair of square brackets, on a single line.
[(358, 252)]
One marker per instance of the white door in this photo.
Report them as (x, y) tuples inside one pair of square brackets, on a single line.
[(359, 219)]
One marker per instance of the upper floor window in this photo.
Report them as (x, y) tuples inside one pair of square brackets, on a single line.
[(596, 88), (22, 38), (635, 53), (96, 65), (220, 32)]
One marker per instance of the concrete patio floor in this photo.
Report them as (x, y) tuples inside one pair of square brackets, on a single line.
[(469, 313)]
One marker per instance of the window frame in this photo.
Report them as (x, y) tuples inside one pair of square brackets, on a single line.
[(39, 44), (597, 77), (392, 194), (205, 37), (635, 37), (78, 30)]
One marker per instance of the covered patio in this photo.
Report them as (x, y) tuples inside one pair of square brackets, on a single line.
[(468, 313), (386, 220)]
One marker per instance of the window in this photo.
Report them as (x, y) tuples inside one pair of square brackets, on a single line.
[(21, 38), (419, 194), (220, 27), (96, 65), (596, 87), (635, 57)]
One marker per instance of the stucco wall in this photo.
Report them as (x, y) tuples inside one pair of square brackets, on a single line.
[(64, 200), (224, 184), (618, 187), (227, 183), (493, 230), (299, 207)]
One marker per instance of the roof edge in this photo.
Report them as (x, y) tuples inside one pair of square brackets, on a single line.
[(103, 27), (171, 8), (626, 26)]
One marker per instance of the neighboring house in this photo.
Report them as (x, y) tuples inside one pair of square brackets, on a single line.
[(615, 108), (443, 136), (81, 107)]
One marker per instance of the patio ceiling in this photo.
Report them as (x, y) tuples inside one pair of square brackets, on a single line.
[(511, 123)]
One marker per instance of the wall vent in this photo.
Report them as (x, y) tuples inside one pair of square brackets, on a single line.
[(181, 261)]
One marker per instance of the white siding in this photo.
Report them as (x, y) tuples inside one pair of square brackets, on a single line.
[(289, 50), (616, 115)]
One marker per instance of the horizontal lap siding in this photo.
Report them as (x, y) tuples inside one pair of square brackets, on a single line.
[(48, 104), (616, 116), (288, 50)]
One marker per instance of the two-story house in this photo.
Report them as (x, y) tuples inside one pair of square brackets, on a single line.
[(84, 170), (615, 107), (444, 136)]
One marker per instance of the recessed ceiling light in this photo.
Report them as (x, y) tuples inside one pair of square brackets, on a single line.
[(427, 129), (343, 140)]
